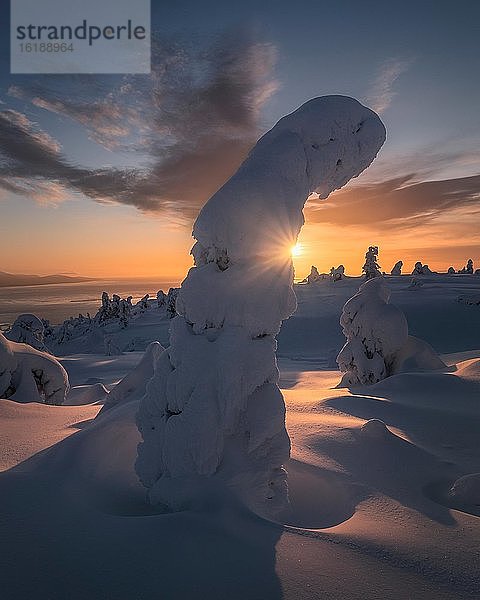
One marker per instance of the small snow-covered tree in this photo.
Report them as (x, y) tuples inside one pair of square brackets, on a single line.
[(105, 312), (337, 273), (125, 312), (28, 375), (371, 268), (171, 302), (313, 276), (161, 299), (142, 305), (468, 268), (375, 332), (28, 329), (397, 268), (420, 269), (378, 344), (451, 271)]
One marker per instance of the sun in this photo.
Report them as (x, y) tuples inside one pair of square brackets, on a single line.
[(296, 250)]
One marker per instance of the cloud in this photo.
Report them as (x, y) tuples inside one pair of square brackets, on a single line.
[(381, 93), (31, 163), (396, 203), (13, 123), (450, 159), (106, 120), (192, 122)]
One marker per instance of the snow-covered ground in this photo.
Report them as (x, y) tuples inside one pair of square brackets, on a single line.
[(372, 513)]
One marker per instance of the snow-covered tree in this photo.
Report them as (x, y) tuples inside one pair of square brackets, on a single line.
[(171, 302), (337, 273), (420, 269), (28, 329), (313, 276), (161, 299), (103, 332), (213, 417), (378, 344), (468, 268), (28, 375), (371, 268), (375, 331), (125, 312), (397, 268), (142, 305), (117, 309)]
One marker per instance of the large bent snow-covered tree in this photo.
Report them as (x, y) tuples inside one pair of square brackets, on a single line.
[(213, 416)]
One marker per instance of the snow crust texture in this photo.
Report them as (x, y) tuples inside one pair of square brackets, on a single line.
[(213, 417)]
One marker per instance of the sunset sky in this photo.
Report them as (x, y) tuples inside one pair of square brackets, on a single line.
[(102, 175)]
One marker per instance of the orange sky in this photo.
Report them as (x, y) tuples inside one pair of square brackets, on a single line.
[(119, 241)]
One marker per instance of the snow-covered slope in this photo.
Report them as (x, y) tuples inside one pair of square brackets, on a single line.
[(374, 513)]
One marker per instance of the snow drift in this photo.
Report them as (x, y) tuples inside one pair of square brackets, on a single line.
[(132, 386), (213, 415)]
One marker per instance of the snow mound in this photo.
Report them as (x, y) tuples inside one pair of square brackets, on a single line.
[(466, 490), (415, 284), (86, 394), (470, 369), (416, 355), (132, 386), (213, 415), (28, 375), (375, 429)]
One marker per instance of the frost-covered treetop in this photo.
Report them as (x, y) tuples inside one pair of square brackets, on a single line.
[(317, 148)]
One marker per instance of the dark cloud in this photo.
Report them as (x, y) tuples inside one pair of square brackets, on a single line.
[(31, 161), (192, 122), (396, 203)]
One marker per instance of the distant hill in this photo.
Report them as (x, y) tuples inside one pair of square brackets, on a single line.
[(8, 279)]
